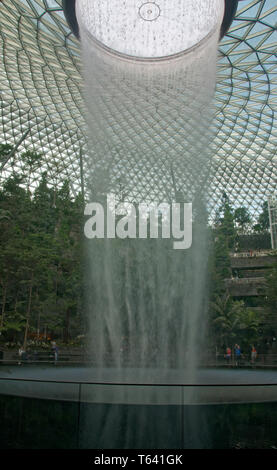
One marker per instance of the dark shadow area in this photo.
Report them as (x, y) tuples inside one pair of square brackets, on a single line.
[(48, 424)]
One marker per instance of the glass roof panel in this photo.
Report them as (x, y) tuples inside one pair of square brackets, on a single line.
[(42, 105)]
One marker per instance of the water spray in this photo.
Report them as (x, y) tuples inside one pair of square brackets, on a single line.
[(149, 72)]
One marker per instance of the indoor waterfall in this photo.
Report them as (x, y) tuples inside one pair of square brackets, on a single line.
[(149, 110)]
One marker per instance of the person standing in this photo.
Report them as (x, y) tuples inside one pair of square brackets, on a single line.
[(253, 355), (228, 355), (55, 350), (237, 354), (21, 355)]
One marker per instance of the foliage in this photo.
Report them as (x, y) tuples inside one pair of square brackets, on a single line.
[(233, 322), (271, 301), (41, 264), (263, 219), (242, 219), (40, 257), (225, 317), (225, 223)]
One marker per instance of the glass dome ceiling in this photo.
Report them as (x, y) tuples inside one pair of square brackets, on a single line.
[(42, 106)]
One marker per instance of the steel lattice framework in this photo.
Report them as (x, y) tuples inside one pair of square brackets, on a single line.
[(42, 106)]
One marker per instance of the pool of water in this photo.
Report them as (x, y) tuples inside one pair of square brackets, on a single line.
[(68, 408), (139, 386), (28, 423)]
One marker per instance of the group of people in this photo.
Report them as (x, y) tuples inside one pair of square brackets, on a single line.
[(237, 354), (24, 356)]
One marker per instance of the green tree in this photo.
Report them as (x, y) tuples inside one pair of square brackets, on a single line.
[(242, 219), (32, 161), (271, 301), (249, 328), (225, 317), (225, 222), (40, 257), (233, 322), (263, 219)]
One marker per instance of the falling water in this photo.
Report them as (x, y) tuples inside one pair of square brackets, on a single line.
[(149, 130)]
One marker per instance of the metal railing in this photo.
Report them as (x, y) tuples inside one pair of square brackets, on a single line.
[(263, 360)]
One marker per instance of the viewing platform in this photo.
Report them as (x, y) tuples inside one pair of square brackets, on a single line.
[(252, 260), (249, 271)]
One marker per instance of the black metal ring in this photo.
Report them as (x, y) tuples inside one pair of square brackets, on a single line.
[(230, 11), (70, 15)]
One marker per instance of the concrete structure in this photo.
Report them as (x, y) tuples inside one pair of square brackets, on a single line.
[(249, 271)]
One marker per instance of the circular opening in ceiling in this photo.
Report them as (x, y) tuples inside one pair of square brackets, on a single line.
[(149, 30), (149, 11)]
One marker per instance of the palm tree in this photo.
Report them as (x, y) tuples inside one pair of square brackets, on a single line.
[(226, 314), (4, 215)]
